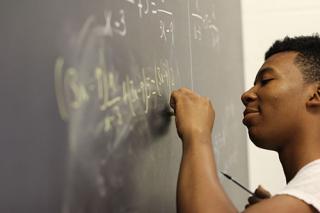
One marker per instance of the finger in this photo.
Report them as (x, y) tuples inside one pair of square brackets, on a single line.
[(210, 103), (253, 200), (186, 90), (177, 94), (262, 193), (173, 99), (189, 93), (247, 206)]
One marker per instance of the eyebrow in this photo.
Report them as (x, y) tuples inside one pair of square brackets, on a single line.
[(262, 72)]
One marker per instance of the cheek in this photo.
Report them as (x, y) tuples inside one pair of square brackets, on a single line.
[(278, 102), (279, 119), (270, 107), (280, 113)]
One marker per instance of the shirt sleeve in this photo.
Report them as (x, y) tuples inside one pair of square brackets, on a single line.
[(306, 185)]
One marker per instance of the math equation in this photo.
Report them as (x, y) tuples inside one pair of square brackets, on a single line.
[(117, 95)]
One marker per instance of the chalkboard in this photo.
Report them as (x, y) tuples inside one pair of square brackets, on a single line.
[(85, 87)]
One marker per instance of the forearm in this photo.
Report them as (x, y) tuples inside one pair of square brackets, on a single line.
[(199, 189)]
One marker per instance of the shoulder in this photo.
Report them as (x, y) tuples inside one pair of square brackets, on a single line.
[(281, 203), (305, 185), (302, 194)]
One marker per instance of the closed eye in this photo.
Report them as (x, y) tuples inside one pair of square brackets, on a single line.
[(265, 81)]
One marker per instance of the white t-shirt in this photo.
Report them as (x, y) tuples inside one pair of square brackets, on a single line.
[(306, 185)]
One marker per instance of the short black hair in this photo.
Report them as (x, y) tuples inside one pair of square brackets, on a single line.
[(308, 58)]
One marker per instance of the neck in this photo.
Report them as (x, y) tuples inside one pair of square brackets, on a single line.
[(291, 164), (299, 153)]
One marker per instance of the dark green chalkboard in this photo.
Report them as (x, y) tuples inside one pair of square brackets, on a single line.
[(85, 87)]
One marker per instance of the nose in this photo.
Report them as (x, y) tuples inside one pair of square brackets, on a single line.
[(248, 96)]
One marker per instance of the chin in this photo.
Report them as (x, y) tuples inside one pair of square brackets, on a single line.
[(260, 141)]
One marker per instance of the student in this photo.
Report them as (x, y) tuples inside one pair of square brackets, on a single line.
[(282, 113)]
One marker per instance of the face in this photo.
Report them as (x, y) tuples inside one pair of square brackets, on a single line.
[(276, 103)]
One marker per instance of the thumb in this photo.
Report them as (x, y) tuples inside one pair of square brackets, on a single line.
[(262, 193)]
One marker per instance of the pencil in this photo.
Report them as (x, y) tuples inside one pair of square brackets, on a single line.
[(236, 182)]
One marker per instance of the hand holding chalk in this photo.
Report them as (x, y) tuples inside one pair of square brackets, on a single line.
[(194, 115)]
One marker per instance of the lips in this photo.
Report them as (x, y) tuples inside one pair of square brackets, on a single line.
[(249, 116), (249, 110)]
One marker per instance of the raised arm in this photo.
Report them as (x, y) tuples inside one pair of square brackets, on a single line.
[(199, 189)]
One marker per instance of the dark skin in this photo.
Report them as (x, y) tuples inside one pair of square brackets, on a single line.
[(282, 114), (259, 194)]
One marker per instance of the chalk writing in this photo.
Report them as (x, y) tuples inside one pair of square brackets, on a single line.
[(167, 30), (148, 7), (204, 25), (115, 23), (104, 87), (153, 7), (72, 94)]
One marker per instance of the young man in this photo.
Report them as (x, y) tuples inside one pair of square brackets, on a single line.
[(282, 113)]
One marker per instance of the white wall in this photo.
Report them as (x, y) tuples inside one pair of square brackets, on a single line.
[(263, 23)]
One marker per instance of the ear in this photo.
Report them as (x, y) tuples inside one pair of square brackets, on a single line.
[(314, 100)]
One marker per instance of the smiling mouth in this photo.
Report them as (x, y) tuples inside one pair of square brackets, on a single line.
[(248, 111), (248, 115)]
